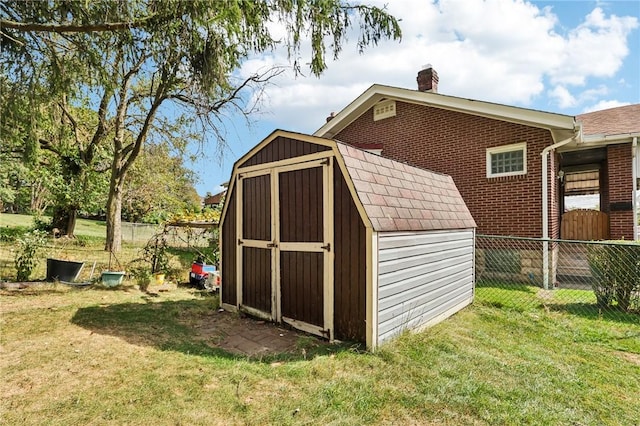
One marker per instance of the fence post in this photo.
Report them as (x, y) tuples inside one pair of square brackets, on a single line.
[(545, 263)]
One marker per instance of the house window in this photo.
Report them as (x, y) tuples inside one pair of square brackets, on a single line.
[(509, 160)]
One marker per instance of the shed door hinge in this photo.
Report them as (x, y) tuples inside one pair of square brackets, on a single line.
[(327, 247)]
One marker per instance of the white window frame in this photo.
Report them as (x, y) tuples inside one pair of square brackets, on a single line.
[(507, 148)]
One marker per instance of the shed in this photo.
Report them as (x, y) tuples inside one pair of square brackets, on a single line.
[(343, 243)]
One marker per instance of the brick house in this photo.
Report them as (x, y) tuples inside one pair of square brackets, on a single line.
[(211, 201), (513, 166)]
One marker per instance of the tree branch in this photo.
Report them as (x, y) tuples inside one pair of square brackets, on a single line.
[(209, 107), (101, 130), (71, 28), (74, 124)]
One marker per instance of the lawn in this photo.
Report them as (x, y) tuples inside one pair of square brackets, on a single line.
[(96, 356), (84, 227)]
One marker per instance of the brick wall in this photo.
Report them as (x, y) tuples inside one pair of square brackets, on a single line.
[(455, 143), (620, 184)]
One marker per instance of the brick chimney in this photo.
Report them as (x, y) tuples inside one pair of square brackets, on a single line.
[(428, 79)]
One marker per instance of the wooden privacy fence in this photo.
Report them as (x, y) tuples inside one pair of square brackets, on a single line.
[(585, 225)]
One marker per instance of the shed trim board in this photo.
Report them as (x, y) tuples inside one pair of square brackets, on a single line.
[(387, 252), (372, 290)]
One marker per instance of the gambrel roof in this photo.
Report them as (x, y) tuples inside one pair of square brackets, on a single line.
[(399, 197), (390, 195)]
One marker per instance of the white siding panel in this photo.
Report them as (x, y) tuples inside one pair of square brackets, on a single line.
[(423, 277), (406, 253), (406, 239), (420, 288), (442, 263)]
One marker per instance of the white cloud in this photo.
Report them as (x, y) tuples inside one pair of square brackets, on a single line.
[(563, 97), (596, 48), (496, 50)]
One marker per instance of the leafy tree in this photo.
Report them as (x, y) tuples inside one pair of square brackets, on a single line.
[(142, 57), (15, 153), (157, 186), (46, 139)]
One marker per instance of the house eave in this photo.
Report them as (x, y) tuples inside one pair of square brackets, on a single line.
[(561, 126), (594, 141)]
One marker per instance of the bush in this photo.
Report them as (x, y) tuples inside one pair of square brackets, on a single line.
[(9, 235), (29, 247), (616, 272)]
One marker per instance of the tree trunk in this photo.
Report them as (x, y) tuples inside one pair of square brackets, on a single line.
[(39, 200), (64, 219), (114, 213)]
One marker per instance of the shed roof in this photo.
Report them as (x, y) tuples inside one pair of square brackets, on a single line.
[(614, 121), (399, 197), (394, 196)]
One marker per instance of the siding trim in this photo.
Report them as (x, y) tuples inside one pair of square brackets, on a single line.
[(277, 133), (328, 256), (239, 257), (229, 308), (372, 288), (288, 164)]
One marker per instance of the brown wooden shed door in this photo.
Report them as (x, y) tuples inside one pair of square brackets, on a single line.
[(286, 245), (301, 211), (255, 241)]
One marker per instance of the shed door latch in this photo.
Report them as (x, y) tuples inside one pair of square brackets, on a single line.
[(272, 245), (327, 247)]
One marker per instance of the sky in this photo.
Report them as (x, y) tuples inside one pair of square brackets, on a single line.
[(567, 57)]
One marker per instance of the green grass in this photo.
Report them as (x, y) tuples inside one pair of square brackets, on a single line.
[(84, 227), (119, 357)]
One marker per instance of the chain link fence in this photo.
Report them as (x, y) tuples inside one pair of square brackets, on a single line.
[(176, 236), (589, 278)]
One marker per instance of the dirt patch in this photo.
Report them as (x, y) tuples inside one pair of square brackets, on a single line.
[(631, 357), (242, 335)]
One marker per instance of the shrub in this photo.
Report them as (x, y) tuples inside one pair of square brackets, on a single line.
[(10, 235), (616, 272), (29, 246)]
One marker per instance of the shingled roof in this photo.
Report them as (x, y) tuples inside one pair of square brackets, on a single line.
[(399, 197), (614, 121)]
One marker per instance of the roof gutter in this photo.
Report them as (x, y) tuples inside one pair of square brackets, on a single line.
[(608, 139), (545, 200)]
